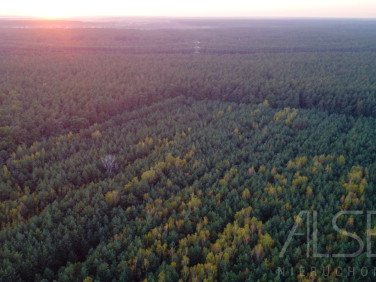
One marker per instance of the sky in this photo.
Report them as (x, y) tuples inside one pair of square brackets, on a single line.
[(58, 9)]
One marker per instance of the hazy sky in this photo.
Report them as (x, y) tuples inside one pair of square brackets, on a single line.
[(192, 8)]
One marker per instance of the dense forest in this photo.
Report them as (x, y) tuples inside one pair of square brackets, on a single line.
[(187, 153)]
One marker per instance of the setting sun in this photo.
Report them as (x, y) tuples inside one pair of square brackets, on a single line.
[(195, 8)]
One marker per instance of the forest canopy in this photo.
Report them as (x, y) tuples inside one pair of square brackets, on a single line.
[(185, 153)]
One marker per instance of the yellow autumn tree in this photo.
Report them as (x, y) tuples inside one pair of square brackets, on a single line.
[(246, 194)]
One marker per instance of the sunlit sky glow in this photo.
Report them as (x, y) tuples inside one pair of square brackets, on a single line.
[(53, 9)]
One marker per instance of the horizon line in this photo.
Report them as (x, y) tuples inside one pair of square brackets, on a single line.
[(16, 17)]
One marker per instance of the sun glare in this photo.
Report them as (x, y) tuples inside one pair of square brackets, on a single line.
[(45, 9)]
